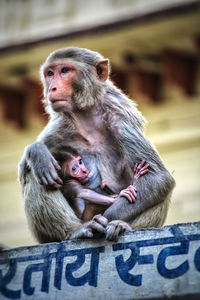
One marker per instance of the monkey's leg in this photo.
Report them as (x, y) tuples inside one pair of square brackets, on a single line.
[(49, 215), (51, 218), (153, 217)]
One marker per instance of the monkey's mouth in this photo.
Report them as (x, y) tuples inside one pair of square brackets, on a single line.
[(85, 180), (53, 101)]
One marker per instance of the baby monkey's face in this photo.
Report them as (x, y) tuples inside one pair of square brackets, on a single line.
[(75, 168)]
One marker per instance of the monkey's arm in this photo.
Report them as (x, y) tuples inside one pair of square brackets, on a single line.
[(146, 198), (152, 189), (94, 197), (38, 158), (130, 192), (72, 190), (50, 216)]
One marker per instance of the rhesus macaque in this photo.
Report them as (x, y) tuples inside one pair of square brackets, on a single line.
[(90, 114), (78, 181)]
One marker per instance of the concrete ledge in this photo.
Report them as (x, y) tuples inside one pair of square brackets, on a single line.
[(144, 264)]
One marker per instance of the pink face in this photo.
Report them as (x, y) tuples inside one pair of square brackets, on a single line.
[(59, 77), (76, 169)]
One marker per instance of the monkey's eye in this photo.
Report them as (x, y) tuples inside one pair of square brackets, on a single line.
[(80, 161), (65, 70), (50, 73), (74, 168)]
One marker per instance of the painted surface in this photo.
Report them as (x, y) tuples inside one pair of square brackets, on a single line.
[(142, 264)]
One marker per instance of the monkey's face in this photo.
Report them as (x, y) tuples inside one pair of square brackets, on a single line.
[(59, 77), (73, 80), (76, 169)]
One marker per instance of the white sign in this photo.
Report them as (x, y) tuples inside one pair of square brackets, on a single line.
[(142, 264)]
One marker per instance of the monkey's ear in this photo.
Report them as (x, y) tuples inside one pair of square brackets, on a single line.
[(102, 69)]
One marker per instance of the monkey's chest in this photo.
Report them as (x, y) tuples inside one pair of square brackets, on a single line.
[(107, 158), (96, 139), (105, 150), (94, 136)]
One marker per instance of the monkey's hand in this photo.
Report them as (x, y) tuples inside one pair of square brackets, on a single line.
[(43, 165), (129, 193), (97, 225), (116, 228), (92, 228), (139, 170)]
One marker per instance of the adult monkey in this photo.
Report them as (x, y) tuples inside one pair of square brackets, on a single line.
[(93, 116)]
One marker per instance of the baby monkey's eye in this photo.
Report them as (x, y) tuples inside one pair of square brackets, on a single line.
[(74, 168), (80, 161)]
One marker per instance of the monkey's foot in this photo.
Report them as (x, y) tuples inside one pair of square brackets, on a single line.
[(116, 228)]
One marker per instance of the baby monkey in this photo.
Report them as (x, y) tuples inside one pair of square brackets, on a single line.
[(88, 194)]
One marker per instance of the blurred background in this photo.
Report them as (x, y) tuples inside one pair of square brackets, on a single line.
[(153, 47)]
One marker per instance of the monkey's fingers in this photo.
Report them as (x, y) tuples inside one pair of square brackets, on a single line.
[(49, 179), (135, 167), (58, 180), (144, 172), (42, 180), (87, 233), (119, 230), (133, 190), (98, 223), (138, 167), (101, 220), (54, 173), (128, 195), (131, 196), (53, 179), (110, 232), (97, 227), (145, 167), (114, 232), (140, 172), (141, 164), (56, 165)]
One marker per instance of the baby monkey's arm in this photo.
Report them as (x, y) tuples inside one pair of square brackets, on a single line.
[(94, 197), (74, 190), (130, 192)]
